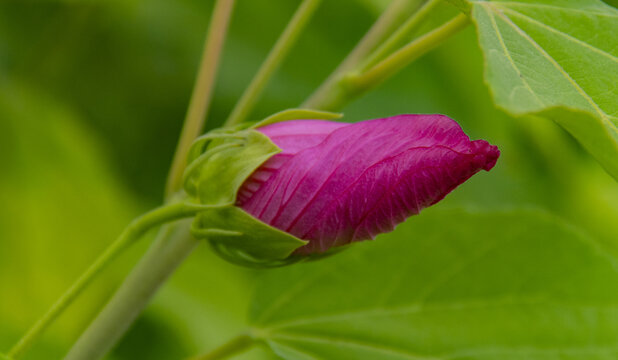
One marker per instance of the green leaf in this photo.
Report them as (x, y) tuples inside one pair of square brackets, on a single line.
[(556, 54), (598, 139), (449, 285)]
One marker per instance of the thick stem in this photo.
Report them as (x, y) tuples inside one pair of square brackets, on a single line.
[(385, 24), (128, 237), (272, 62), (170, 248), (235, 346), (202, 92)]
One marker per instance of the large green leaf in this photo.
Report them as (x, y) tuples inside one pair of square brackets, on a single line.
[(556, 54), (449, 285)]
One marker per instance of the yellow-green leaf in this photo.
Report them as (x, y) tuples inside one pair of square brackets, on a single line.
[(449, 285)]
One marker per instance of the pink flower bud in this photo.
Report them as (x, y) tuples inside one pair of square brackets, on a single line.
[(335, 183)]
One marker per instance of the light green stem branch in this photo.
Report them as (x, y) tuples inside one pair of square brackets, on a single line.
[(385, 24), (202, 92), (236, 345), (398, 38), (128, 237), (353, 85), (170, 248), (398, 60), (272, 62)]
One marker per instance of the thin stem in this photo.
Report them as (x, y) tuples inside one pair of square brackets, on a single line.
[(398, 60), (352, 85), (171, 247), (385, 24), (399, 37), (272, 62), (128, 237), (202, 92), (236, 345)]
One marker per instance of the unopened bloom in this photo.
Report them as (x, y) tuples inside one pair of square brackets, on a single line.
[(336, 183)]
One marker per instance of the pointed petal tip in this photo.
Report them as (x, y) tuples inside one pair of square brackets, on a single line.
[(487, 154)]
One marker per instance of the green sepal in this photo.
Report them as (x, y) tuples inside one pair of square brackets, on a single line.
[(221, 160), (241, 238), (219, 163), (284, 115), (215, 176), (4, 357), (297, 114)]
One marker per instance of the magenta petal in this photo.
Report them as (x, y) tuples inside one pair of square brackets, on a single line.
[(291, 137), (361, 179), (294, 136)]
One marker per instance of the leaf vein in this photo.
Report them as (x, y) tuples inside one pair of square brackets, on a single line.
[(529, 351), (546, 6), (508, 55), (357, 344), (287, 296), (303, 353), (558, 67), (446, 306), (563, 34)]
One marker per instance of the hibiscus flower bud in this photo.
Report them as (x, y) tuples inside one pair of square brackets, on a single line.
[(278, 191), (335, 183)]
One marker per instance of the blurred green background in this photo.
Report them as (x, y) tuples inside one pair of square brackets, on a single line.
[(92, 98)]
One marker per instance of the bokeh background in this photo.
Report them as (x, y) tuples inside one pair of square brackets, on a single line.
[(92, 98)]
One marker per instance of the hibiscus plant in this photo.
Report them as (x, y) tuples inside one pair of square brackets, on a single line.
[(292, 197)]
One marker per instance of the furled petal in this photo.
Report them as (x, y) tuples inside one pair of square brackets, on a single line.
[(294, 136), (291, 137), (351, 182)]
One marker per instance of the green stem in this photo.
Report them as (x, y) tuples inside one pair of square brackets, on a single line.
[(236, 345), (399, 37), (272, 62), (353, 85), (202, 92), (385, 24), (128, 237), (398, 60), (171, 247)]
